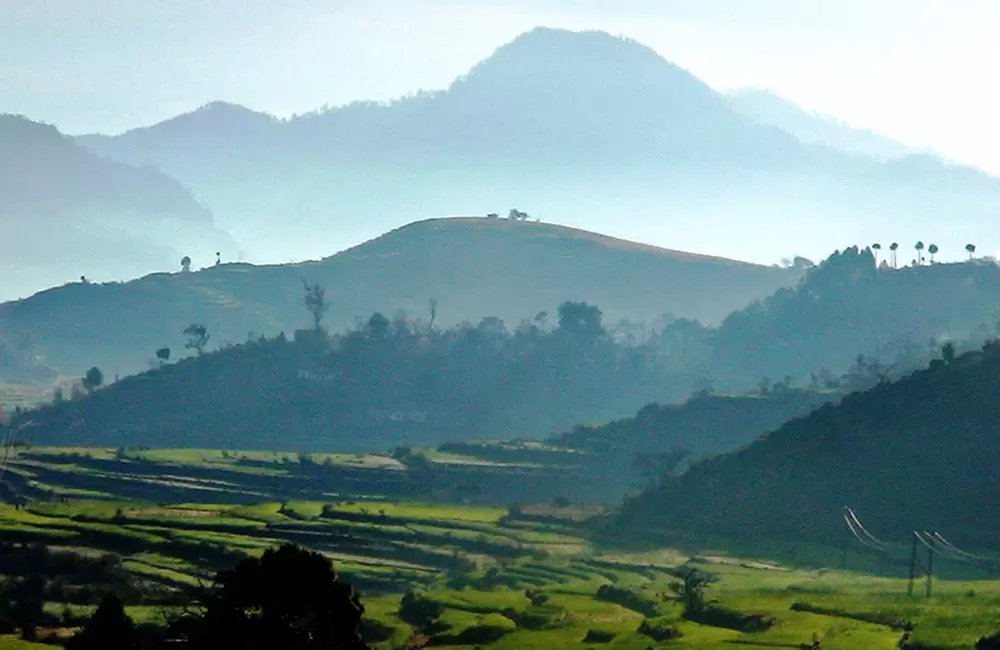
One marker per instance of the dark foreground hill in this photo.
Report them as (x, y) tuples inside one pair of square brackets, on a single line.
[(921, 453), (705, 424), (67, 212), (473, 267), (383, 384)]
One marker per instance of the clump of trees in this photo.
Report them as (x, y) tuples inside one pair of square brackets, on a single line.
[(289, 598)]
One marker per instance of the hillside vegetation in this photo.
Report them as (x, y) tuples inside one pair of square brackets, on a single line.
[(381, 384), (846, 306), (473, 267), (920, 453)]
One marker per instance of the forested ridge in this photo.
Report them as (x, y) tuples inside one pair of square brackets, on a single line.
[(918, 453)]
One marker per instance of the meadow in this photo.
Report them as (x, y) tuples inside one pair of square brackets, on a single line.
[(534, 576)]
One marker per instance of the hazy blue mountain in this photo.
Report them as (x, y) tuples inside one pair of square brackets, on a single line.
[(576, 128), (765, 107), (473, 267), (67, 212)]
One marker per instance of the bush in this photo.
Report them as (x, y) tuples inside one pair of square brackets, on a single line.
[(733, 620), (599, 636), (418, 610), (659, 632), (629, 599)]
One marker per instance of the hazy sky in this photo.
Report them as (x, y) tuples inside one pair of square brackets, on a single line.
[(923, 71)]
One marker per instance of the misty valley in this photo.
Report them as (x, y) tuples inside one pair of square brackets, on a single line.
[(312, 382)]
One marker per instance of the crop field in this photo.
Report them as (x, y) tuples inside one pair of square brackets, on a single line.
[(531, 577)]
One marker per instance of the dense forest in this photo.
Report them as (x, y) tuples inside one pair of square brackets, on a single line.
[(919, 453), (381, 384)]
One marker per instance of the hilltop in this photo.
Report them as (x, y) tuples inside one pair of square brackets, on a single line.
[(473, 268), (581, 128), (920, 453), (69, 213)]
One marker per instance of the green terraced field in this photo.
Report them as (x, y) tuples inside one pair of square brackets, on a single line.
[(504, 581)]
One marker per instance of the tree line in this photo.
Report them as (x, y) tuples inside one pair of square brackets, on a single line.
[(290, 597)]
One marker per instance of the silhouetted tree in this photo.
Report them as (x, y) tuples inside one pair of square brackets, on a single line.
[(580, 319), (316, 303), (23, 604), (948, 352), (894, 247), (198, 337), (691, 588), (290, 598), (378, 326), (418, 610), (970, 249), (93, 379), (163, 354), (517, 215), (876, 248), (920, 252), (932, 249), (186, 264), (110, 628), (218, 258), (434, 312)]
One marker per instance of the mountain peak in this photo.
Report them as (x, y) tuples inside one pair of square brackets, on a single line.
[(568, 57)]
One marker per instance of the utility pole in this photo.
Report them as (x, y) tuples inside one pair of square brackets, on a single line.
[(930, 569), (913, 565)]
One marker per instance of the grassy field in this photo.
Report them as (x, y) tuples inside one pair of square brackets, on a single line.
[(522, 580)]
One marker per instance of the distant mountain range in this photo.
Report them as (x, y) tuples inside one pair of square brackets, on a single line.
[(67, 213), (473, 267), (766, 107), (576, 128)]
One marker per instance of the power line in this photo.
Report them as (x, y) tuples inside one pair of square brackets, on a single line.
[(850, 513)]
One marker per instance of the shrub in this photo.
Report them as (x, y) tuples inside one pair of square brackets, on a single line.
[(418, 610), (629, 599), (659, 632), (599, 636)]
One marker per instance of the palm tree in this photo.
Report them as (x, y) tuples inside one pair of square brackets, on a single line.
[(932, 249), (971, 250), (920, 254), (876, 247), (893, 248)]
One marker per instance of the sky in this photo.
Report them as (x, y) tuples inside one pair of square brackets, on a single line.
[(921, 71)]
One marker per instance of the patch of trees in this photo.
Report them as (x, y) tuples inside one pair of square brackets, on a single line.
[(846, 303), (378, 384), (290, 598)]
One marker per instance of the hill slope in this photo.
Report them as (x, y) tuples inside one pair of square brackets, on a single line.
[(473, 267), (580, 128), (921, 453), (846, 306), (765, 107), (705, 424), (67, 212), (378, 385)]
